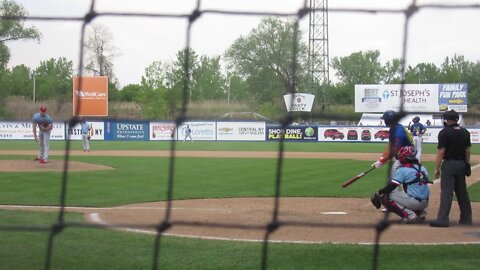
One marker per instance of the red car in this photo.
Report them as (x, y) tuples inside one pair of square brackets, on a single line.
[(334, 134), (352, 135), (382, 134), (366, 135)]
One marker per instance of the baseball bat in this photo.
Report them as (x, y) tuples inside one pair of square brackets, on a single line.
[(355, 178)]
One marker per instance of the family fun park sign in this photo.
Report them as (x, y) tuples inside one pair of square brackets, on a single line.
[(416, 97)]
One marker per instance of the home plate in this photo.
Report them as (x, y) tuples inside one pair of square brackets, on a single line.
[(334, 213)]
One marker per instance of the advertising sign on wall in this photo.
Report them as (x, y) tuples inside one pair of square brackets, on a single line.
[(416, 97), (92, 98), (431, 135), (452, 97), (220, 131), (127, 131), (299, 102), (162, 131), (241, 131), (353, 134), (294, 133), (23, 131), (370, 134), (97, 131), (201, 131), (474, 135)]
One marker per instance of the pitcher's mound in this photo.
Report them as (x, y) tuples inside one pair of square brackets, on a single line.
[(52, 166)]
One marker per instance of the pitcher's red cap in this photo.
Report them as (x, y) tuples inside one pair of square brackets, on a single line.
[(43, 109)]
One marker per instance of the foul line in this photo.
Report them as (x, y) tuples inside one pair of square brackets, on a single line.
[(334, 213), (95, 218), (79, 208)]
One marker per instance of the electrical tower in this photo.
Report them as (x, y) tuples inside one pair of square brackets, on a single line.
[(318, 47)]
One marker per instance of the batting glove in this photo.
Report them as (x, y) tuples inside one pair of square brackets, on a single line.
[(378, 164)]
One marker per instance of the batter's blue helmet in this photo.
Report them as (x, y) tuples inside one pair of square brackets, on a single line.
[(389, 117)]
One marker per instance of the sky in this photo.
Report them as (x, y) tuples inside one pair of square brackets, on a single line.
[(433, 33)]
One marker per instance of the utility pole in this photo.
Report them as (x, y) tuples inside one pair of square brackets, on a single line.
[(229, 88), (419, 73), (34, 87)]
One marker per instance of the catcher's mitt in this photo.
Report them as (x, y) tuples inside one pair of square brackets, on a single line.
[(376, 201), (88, 137), (43, 126)]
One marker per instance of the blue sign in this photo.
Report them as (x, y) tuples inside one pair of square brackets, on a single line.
[(127, 131), (292, 133), (453, 96)]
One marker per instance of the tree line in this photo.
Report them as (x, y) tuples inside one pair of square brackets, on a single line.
[(256, 69)]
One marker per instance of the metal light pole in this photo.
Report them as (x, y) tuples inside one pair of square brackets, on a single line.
[(318, 52), (419, 73), (228, 93), (33, 87)]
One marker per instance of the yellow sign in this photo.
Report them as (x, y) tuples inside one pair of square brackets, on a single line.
[(456, 101)]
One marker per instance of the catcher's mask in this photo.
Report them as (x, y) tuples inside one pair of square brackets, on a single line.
[(407, 154)]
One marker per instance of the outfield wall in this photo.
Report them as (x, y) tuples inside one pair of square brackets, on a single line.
[(213, 131)]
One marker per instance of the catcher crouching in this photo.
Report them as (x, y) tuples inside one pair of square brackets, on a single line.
[(411, 202)]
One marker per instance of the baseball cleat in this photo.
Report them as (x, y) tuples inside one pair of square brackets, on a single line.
[(465, 222), (422, 215), (439, 224), (412, 219), (43, 161)]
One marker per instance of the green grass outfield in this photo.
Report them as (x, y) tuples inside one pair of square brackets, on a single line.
[(142, 179)]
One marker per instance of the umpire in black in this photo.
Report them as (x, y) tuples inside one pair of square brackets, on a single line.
[(454, 150)]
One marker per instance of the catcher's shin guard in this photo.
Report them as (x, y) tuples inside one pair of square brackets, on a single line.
[(393, 206)]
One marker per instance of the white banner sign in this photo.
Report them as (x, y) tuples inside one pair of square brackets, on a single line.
[(241, 131), (96, 132), (431, 135), (416, 97), (474, 135), (201, 131), (162, 131), (300, 103), (23, 131), (353, 134), (379, 134)]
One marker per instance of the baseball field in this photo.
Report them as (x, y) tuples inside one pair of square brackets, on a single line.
[(222, 201)]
